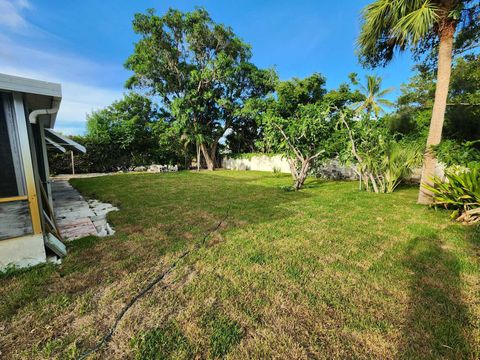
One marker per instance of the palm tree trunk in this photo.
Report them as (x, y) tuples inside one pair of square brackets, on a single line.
[(438, 114)]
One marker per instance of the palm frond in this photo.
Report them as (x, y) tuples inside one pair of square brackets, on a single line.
[(416, 23)]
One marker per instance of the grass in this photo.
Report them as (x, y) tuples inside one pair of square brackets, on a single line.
[(327, 272)]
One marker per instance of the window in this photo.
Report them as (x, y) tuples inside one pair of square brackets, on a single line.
[(12, 179)]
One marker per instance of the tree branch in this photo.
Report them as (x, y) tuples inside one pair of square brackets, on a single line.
[(297, 153), (354, 149), (316, 155)]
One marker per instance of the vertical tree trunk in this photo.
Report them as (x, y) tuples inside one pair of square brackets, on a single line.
[(198, 156), (438, 114), (208, 159), (213, 154)]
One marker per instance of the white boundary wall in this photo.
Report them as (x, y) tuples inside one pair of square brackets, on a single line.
[(259, 162), (331, 170)]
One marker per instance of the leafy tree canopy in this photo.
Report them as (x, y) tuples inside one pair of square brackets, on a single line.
[(200, 69), (414, 106), (132, 131)]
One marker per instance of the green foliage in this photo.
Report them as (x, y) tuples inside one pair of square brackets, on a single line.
[(308, 132), (391, 164), (460, 193), (452, 153), (301, 123), (165, 342), (343, 96), (463, 110), (128, 133), (294, 93), (396, 25), (311, 134), (397, 164), (200, 70), (400, 123), (382, 162), (373, 101)]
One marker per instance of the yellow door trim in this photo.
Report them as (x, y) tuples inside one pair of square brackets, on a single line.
[(27, 163)]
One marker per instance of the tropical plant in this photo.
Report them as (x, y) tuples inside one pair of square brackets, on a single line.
[(463, 104), (460, 193), (381, 162), (373, 93), (439, 26)]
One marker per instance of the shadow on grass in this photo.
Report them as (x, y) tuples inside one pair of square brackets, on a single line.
[(438, 321)]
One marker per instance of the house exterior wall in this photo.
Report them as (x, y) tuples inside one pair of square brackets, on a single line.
[(22, 251), (21, 231)]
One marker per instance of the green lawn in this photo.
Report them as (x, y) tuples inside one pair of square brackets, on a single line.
[(326, 272)]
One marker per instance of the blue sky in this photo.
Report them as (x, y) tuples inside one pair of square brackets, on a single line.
[(83, 44)]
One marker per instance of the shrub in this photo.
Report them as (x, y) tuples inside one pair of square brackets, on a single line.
[(452, 153), (460, 193), (382, 171), (382, 163)]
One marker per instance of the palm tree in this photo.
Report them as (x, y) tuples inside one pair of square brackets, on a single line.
[(373, 96), (420, 26)]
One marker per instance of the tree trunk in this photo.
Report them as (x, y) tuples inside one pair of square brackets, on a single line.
[(293, 169), (208, 158), (198, 156), (302, 175), (438, 113)]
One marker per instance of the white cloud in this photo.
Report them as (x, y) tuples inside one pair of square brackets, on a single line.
[(11, 14), (86, 85), (77, 99)]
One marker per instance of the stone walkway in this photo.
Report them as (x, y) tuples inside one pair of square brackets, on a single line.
[(77, 217)]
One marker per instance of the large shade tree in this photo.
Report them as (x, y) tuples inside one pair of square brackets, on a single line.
[(440, 27), (200, 71)]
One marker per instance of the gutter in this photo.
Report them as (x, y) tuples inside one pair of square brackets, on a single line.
[(33, 117)]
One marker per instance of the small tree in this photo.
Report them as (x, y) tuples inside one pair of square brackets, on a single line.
[(302, 138), (125, 130)]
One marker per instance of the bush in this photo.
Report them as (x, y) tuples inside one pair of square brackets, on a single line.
[(383, 170), (104, 156), (452, 153), (460, 193)]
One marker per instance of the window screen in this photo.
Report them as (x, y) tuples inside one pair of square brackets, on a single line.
[(12, 181)]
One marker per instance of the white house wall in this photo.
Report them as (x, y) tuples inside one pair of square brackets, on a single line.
[(22, 251)]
